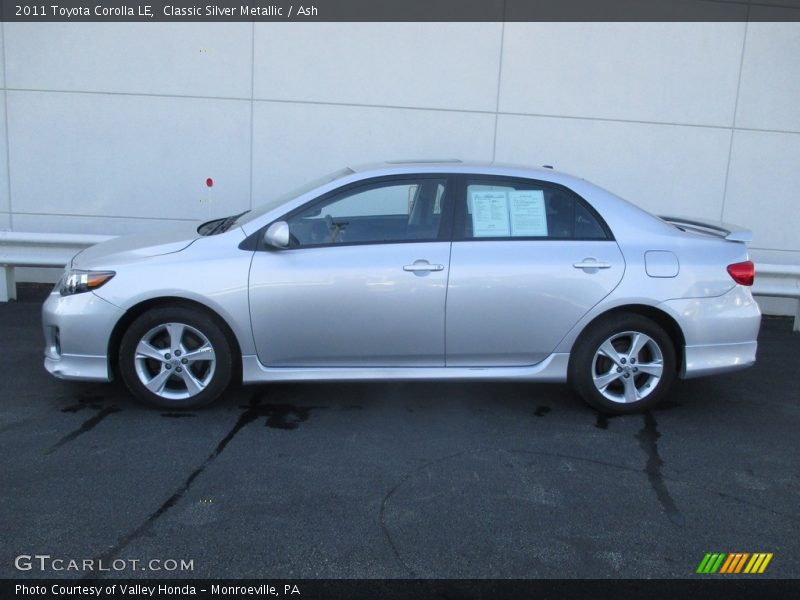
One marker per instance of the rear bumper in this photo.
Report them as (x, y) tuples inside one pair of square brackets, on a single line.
[(76, 331), (717, 358), (720, 333)]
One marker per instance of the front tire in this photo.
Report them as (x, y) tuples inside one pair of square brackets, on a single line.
[(175, 358), (624, 363)]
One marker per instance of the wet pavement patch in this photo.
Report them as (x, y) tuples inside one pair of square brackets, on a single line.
[(285, 416), (86, 426), (648, 442), (85, 401), (601, 420), (278, 416)]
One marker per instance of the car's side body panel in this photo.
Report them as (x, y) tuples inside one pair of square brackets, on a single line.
[(496, 309), (212, 272), (510, 302), (350, 306)]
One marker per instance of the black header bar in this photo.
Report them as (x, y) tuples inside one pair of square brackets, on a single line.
[(399, 10)]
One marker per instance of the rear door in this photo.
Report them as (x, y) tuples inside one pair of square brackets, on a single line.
[(529, 259)]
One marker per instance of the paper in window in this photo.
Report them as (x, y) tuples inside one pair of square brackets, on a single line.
[(528, 215), (490, 214)]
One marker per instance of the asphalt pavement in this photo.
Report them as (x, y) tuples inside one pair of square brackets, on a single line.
[(393, 480)]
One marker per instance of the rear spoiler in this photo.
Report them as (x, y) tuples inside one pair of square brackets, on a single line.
[(730, 232)]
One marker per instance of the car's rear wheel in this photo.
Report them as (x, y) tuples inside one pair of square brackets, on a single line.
[(175, 357), (624, 363)]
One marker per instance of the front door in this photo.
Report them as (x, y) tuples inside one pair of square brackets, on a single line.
[(363, 282)]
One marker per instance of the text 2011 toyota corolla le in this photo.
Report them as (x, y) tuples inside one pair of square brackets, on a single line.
[(434, 270)]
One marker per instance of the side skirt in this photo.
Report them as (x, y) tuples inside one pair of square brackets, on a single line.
[(553, 369)]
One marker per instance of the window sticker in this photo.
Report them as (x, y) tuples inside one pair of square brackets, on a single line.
[(490, 214), (528, 216)]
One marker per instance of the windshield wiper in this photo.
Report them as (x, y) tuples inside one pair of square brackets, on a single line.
[(225, 224)]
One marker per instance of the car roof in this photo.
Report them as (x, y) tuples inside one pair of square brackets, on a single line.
[(454, 165)]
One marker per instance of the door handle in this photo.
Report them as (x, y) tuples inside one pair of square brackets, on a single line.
[(591, 263), (422, 265)]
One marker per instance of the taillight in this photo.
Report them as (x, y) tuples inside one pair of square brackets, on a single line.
[(743, 273)]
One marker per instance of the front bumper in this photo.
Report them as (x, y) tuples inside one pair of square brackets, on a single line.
[(721, 332), (77, 330)]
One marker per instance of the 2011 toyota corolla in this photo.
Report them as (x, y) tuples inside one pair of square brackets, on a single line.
[(434, 270)]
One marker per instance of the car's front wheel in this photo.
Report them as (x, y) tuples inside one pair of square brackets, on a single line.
[(175, 357), (624, 363)]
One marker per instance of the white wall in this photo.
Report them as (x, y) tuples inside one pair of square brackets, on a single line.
[(114, 128)]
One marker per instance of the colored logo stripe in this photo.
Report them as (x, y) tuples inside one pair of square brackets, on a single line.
[(734, 562), (711, 563), (758, 563), (732, 558)]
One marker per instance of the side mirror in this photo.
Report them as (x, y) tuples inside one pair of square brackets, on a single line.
[(277, 235)]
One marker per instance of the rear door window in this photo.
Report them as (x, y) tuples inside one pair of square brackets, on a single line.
[(501, 208)]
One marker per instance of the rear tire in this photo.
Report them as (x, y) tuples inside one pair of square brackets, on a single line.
[(175, 357), (622, 364)]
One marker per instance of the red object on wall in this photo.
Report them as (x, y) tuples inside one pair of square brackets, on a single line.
[(210, 182)]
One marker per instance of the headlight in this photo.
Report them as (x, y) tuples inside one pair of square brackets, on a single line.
[(77, 282)]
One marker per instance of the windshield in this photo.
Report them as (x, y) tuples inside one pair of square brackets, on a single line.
[(268, 206)]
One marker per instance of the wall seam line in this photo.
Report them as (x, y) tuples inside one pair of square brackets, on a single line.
[(733, 124), (7, 129), (416, 108), (252, 103), (499, 81)]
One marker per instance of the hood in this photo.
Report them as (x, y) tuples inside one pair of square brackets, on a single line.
[(134, 247)]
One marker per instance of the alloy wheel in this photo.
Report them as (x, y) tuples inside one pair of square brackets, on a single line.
[(175, 361), (627, 367)]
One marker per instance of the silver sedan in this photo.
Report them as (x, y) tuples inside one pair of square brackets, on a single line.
[(423, 270)]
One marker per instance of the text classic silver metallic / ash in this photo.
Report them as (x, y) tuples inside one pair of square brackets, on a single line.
[(413, 270)]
